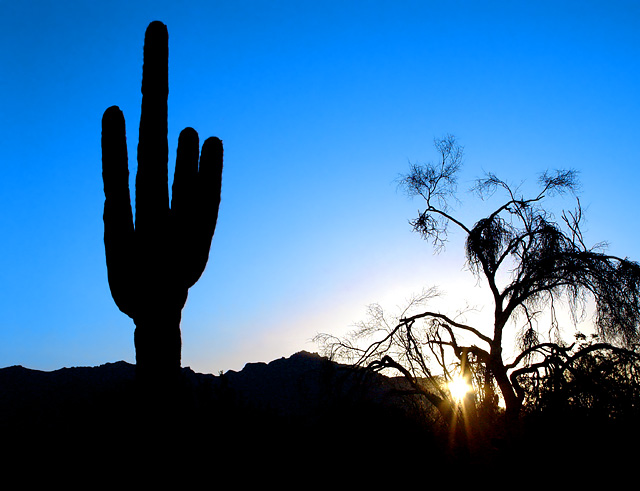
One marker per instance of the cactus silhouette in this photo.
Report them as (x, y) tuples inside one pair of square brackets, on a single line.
[(152, 264)]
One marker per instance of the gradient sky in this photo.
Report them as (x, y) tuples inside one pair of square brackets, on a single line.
[(321, 105)]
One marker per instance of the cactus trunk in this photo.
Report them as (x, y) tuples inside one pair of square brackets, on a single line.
[(158, 348)]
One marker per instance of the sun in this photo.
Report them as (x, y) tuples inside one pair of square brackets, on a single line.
[(458, 387)]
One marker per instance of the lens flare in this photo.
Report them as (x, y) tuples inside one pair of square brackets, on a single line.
[(458, 387)]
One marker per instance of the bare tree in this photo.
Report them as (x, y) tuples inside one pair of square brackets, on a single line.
[(530, 262)]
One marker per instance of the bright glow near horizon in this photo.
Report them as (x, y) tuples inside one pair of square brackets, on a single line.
[(459, 388), (320, 106)]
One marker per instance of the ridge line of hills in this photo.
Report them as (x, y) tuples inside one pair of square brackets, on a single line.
[(300, 409)]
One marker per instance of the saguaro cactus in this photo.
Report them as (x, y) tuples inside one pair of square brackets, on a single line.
[(151, 265)]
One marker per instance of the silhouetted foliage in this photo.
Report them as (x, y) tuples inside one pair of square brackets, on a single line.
[(588, 379), (530, 262), (152, 264)]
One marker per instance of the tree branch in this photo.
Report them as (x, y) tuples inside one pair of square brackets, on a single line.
[(448, 321)]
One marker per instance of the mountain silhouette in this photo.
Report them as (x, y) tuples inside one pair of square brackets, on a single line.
[(299, 410)]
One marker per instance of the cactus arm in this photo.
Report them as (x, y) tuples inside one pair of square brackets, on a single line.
[(183, 196), (210, 178), (195, 202), (118, 217), (184, 204), (185, 177), (209, 193)]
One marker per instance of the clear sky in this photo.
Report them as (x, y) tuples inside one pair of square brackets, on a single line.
[(320, 105)]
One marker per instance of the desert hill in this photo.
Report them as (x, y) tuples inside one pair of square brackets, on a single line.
[(301, 410)]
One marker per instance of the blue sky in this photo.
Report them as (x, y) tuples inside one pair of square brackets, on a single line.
[(320, 106)]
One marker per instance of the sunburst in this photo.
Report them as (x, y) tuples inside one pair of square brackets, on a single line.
[(459, 388)]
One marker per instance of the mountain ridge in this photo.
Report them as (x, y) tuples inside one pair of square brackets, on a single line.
[(305, 406)]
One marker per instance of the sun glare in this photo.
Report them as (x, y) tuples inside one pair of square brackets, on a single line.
[(458, 387)]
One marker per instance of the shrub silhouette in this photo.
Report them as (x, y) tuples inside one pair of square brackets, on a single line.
[(152, 264)]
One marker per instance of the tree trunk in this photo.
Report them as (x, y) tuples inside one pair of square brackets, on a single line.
[(513, 403)]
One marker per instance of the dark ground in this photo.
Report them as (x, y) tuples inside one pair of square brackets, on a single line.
[(302, 414), (300, 417)]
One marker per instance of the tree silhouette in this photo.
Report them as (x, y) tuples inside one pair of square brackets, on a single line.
[(152, 264), (530, 263), (592, 380)]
